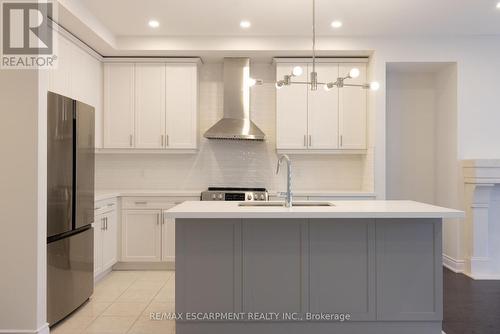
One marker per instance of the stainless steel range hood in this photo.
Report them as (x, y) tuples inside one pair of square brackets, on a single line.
[(236, 123)]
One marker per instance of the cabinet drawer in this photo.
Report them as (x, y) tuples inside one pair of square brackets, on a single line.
[(153, 202)]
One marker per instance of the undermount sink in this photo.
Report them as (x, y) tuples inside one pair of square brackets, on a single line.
[(282, 204)]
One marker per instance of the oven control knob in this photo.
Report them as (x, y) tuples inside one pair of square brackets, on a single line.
[(249, 197), (214, 196), (220, 197), (261, 197)]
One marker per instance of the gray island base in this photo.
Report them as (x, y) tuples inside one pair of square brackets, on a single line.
[(384, 274)]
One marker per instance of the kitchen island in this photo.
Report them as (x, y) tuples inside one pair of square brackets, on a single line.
[(351, 267)]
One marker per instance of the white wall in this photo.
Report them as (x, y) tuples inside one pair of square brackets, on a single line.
[(23, 201), (410, 136), (232, 163), (422, 158)]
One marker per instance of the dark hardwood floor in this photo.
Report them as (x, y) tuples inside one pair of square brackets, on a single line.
[(470, 307)]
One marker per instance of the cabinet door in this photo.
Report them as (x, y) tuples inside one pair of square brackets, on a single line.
[(291, 110), (168, 240), (342, 267), (109, 240), (149, 105), (181, 105), (323, 110), (141, 235), (352, 110), (274, 269), (118, 105), (60, 77), (98, 230)]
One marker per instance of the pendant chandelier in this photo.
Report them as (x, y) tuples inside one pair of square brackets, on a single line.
[(340, 82)]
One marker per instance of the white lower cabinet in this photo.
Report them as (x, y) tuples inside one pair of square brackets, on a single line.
[(146, 236), (105, 236), (168, 240), (141, 236)]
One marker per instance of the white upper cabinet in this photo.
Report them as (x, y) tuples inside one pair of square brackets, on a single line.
[(181, 106), (119, 105), (78, 75), (149, 105), (321, 121), (60, 77), (291, 110), (323, 118), (352, 111)]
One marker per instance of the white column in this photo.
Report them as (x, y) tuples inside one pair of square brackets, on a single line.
[(477, 221), (480, 177)]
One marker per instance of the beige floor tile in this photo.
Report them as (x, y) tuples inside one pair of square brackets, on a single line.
[(105, 324), (108, 295), (137, 295), (147, 284), (92, 309), (156, 276), (74, 324), (166, 294), (153, 327), (157, 307), (125, 309)]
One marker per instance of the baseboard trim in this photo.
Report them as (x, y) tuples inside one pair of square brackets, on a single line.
[(169, 265), (457, 266), (493, 277), (42, 330), (103, 274)]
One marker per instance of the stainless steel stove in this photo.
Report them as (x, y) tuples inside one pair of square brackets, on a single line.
[(234, 194)]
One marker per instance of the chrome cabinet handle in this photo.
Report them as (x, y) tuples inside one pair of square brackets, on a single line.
[(106, 223), (131, 138), (162, 141), (168, 141), (341, 141), (310, 140), (141, 203)]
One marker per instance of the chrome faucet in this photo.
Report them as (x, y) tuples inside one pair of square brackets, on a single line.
[(288, 194)]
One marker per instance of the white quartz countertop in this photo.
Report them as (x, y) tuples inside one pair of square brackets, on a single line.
[(105, 194), (341, 209)]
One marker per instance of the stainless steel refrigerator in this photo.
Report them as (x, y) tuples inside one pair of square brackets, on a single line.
[(70, 205)]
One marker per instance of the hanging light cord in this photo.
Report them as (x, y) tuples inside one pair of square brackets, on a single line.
[(314, 34)]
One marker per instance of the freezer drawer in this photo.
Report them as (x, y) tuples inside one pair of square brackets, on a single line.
[(70, 274)]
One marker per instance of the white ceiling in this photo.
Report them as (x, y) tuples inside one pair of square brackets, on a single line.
[(293, 17)]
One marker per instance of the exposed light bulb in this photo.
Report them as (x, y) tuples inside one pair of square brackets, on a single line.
[(374, 85), (297, 71), (251, 82), (279, 84), (354, 73), (336, 24), (245, 24), (326, 88), (153, 23)]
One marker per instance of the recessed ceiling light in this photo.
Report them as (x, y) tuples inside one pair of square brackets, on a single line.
[(245, 24), (153, 23), (498, 5), (336, 24)]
